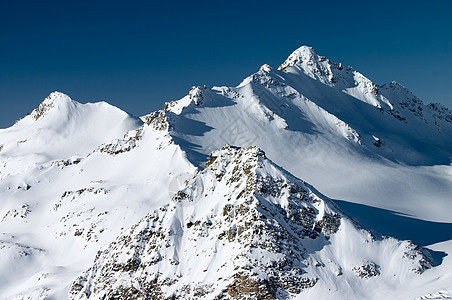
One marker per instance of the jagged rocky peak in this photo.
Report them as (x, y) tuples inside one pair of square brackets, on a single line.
[(439, 111), (196, 94), (407, 100), (334, 74), (399, 91), (313, 65), (266, 68), (404, 97), (54, 99), (320, 68), (240, 229), (234, 231), (158, 120), (302, 55), (194, 97)]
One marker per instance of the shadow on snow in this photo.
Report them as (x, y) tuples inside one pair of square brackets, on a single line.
[(402, 227)]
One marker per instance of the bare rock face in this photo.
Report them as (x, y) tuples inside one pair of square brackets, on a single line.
[(367, 270), (241, 229)]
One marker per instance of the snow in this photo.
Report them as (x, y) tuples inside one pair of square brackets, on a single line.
[(232, 223), (329, 143), (60, 128), (75, 208), (78, 178)]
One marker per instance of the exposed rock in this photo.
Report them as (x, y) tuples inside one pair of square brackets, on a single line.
[(247, 237), (367, 270)]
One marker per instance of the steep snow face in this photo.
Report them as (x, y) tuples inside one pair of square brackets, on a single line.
[(245, 229), (60, 128)]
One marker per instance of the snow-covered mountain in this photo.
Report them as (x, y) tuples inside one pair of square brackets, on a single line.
[(245, 229), (331, 126), (60, 128), (99, 204)]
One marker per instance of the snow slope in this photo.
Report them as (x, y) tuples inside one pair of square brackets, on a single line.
[(381, 144), (245, 229), (60, 128), (96, 202), (56, 215)]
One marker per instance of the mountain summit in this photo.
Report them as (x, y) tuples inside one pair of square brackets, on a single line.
[(55, 100), (313, 65), (61, 127)]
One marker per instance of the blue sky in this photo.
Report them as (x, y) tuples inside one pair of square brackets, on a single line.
[(138, 54)]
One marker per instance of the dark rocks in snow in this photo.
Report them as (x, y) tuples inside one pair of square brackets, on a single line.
[(261, 225), (367, 270)]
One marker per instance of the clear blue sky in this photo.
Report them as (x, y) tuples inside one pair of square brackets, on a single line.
[(138, 54)]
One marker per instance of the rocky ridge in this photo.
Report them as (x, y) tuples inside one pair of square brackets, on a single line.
[(241, 229)]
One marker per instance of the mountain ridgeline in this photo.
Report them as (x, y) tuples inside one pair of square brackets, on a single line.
[(207, 198)]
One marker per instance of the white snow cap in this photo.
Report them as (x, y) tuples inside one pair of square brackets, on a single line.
[(300, 57), (57, 100), (56, 96), (315, 66), (266, 68)]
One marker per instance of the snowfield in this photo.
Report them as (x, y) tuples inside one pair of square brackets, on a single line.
[(303, 182)]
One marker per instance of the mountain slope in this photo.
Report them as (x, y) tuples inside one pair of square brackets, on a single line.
[(95, 202), (308, 119), (60, 128), (245, 229), (56, 215)]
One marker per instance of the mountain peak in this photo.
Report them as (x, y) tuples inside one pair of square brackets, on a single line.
[(61, 127), (306, 50), (315, 66), (333, 74), (54, 99), (301, 56), (266, 68)]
